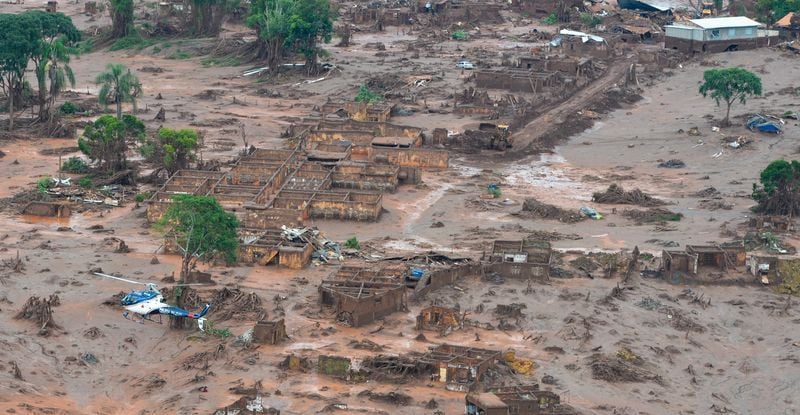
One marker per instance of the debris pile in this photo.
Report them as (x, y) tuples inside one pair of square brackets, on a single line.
[(237, 304), (534, 208), (227, 303), (672, 164), (324, 249), (652, 215), (15, 264), (615, 194), (40, 310), (394, 398), (624, 366)]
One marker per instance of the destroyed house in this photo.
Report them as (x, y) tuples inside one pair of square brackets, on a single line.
[(360, 302), (270, 332), (772, 223), (270, 188), (360, 111), (526, 259), (517, 80), (719, 34), (696, 257), (266, 246), (440, 319), (460, 368), (379, 143), (516, 400)]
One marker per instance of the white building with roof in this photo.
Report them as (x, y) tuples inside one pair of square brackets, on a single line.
[(717, 34)]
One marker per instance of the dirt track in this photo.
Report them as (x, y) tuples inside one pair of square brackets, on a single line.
[(553, 119)]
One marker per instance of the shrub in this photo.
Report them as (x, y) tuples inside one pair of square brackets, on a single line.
[(44, 183), (460, 35), (365, 95), (68, 108), (352, 243), (590, 20), (141, 197), (75, 165), (551, 19), (85, 182)]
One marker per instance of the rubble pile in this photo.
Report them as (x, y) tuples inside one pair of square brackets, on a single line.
[(40, 310), (615, 194), (540, 210)]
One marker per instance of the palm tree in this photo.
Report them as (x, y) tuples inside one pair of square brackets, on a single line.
[(53, 65), (117, 83)]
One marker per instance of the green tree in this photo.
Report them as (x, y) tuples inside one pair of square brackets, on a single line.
[(121, 18), (730, 85), (58, 36), (19, 40), (295, 25), (118, 84), (106, 140), (312, 20), (201, 231), (769, 11), (365, 95), (779, 193), (171, 149), (270, 20)]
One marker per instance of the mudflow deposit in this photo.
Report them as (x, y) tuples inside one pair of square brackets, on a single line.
[(478, 207)]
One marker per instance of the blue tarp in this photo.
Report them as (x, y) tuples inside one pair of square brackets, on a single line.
[(764, 125)]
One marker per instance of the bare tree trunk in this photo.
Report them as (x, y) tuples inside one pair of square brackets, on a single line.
[(119, 106), (11, 109), (726, 122)]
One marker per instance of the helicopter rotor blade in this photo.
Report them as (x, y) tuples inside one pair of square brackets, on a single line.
[(193, 283), (118, 278)]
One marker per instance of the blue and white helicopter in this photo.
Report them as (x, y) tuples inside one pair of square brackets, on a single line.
[(150, 301)]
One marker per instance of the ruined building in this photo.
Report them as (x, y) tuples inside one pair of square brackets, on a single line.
[(460, 368), (443, 320), (525, 259), (516, 400), (358, 301)]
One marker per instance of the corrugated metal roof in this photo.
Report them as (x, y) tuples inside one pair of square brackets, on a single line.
[(786, 21), (725, 22)]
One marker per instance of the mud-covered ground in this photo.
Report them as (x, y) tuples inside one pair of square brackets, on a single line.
[(740, 353)]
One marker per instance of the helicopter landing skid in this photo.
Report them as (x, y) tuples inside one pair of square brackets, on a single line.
[(141, 321)]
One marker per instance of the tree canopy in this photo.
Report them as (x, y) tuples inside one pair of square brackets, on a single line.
[(46, 39), (730, 85), (171, 149), (779, 193), (291, 25), (58, 36), (201, 230), (106, 140), (118, 85), (121, 18), (19, 40), (772, 10)]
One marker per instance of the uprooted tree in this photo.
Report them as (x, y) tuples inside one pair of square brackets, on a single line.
[(291, 25), (105, 140), (730, 85), (171, 149), (779, 192), (200, 230)]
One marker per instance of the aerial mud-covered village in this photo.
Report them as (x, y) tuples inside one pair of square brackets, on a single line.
[(437, 207)]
